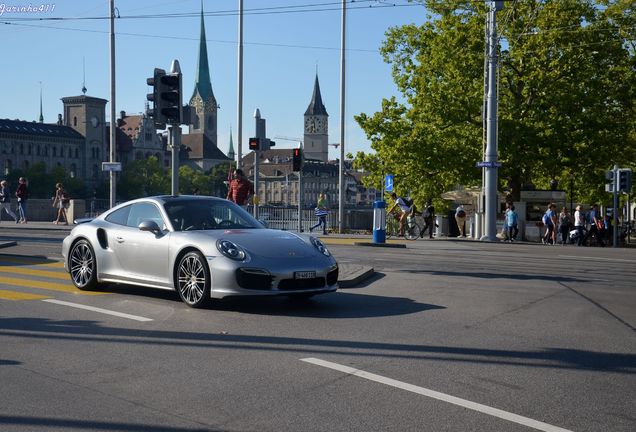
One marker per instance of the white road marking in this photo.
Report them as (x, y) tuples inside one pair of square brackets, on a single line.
[(99, 310), (525, 421)]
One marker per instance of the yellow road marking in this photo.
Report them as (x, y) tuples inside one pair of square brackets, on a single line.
[(53, 286), (14, 295), (34, 272)]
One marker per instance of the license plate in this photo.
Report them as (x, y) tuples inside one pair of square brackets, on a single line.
[(304, 274)]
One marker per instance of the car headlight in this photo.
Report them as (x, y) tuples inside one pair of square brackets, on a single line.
[(320, 246), (230, 250)]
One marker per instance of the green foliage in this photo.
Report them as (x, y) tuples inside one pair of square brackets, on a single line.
[(42, 184), (566, 97)]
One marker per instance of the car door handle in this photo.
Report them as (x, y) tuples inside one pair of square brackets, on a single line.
[(120, 239)]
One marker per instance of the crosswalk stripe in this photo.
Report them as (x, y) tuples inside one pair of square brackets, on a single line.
[(34, 272), (15, 295), (53, 286)]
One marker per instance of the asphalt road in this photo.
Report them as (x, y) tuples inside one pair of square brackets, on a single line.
[(447, 336)]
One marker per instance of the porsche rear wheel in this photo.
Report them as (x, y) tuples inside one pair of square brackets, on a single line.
[(83, 266), (193, 280)]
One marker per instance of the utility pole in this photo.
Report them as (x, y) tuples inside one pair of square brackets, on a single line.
[(341, 177), (239, 102), (113, 125), (491, 163)]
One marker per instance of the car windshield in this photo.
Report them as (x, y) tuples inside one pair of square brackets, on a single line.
[(208, 214)]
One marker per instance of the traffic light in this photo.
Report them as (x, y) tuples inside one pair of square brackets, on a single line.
[(297, 159), (155, 98), (255, 144), (166, 98), (625, 180), (170, 96), (609, 181)]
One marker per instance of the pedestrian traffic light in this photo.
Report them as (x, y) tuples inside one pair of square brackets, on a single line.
[(609, 181), (255, 144), (625, 180), (155, 97), (297, 159)]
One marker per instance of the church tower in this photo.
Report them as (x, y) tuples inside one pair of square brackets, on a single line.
[(203, 100), (316, 138)]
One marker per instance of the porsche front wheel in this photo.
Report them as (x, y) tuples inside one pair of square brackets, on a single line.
[(193, 280)]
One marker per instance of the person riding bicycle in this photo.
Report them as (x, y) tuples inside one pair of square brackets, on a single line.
[(406, 207)]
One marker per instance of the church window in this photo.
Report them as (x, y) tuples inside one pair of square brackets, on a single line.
[(54, 151), (30, 149), (74, 121), (7, 166), (95, 171), (39, 151), (25, 165), (73, 170), (77, 153)]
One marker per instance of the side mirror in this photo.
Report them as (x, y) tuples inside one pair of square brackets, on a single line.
[(149, 225)]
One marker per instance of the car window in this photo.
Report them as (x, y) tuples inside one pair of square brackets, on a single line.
[(208, 214), (140, 212), (119, 217)]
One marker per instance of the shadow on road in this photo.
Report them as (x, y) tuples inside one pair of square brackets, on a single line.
[(93, 331)]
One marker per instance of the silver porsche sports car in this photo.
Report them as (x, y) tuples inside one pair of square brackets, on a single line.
[(202, 247)]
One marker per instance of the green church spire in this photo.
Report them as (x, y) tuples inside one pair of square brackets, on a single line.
[(203, 86)]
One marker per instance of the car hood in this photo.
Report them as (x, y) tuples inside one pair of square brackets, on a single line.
[(269, 243)]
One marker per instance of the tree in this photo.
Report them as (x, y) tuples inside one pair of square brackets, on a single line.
[(566, 97)]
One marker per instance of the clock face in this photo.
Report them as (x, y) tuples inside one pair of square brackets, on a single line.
[(314, 125), (94, 121)]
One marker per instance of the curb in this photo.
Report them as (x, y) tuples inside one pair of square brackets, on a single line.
[(348, 283), (386, 245)]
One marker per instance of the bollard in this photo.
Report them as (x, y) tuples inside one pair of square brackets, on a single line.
[(379, 222)]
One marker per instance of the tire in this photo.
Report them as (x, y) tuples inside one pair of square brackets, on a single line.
[(83, 266), (192, 280), (412, 232)]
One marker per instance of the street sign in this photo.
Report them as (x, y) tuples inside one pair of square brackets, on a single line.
[(388, 183), (111, 166), (484, 164)]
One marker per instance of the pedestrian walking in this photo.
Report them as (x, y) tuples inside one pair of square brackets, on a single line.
[(5, 200), (564, 225), (596, 226), (240, 188), (22, 194), (512, 219), (322, 210), (550, 222), (61, 202), (429, 219), (460, 218), (579, 225)]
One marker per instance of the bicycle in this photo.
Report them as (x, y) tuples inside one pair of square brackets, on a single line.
[(414, 227), (392, 225)]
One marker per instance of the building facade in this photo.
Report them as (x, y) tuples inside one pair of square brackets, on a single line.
[(316, 128)]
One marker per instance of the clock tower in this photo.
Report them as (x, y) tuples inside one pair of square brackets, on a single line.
[(87, 115), (203, 100), (316, 137)]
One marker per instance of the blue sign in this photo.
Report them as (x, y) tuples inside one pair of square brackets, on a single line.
[(490, 164), (388, 183)]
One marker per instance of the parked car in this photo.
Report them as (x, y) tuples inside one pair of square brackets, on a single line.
[(202, 247)]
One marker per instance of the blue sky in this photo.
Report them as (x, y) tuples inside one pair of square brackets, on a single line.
[(282, 52)]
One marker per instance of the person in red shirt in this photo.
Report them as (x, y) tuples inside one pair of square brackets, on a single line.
[(240, 188)]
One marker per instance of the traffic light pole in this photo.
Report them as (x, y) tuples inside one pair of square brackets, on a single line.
[(175, 145), (113, 122), (615, 171)]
